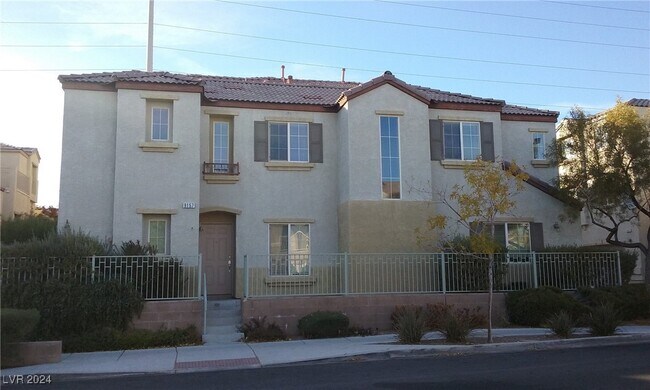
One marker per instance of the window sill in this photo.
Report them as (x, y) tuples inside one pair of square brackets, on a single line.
[(290, 281), (160, 147), (456, 164), (220, 179), (540, 163), (288, 166)]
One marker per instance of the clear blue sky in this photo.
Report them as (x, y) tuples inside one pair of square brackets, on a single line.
[(544, 54)]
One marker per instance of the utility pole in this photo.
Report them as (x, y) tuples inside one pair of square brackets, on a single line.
[(150, 39)]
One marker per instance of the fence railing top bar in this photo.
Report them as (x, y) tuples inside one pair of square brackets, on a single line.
[(435, 254)]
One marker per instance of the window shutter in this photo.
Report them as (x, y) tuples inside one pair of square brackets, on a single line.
[(435, 139), (261, 152), (536, 237), (316, 142), (487, 141)]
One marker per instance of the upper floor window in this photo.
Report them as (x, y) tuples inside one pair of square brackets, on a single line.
[(159, 124), (390, 158), (289, 141), (289, 249), (539, 146), (462, 140), (288, 144)]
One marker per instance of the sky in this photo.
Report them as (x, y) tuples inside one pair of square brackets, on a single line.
[(550, 55)]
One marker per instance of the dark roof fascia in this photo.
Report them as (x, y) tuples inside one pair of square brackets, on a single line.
[(147, 86), (544, 187), (529, 118), (270, 106)]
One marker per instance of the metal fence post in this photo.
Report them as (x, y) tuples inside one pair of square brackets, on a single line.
[(92, 271), (618, 263), (198, 276), (245, 276), (346, 280), (534, 265), (443, 273)]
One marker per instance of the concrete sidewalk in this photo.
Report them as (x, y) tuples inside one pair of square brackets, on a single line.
[(236, 355)]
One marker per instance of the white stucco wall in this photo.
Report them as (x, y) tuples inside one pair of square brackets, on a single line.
[(157, 180), (88, 162), (285, 195), (517, 140)]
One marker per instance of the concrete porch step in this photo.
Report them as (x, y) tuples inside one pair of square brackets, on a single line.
[(223, 338), (219, 320)]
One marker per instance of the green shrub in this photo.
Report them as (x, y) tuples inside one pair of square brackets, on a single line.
[(468, 273), (25, 228), (68, 308), (603, 320), (400, 310), (257, 329), (16, 325), (109, 339), (67, 244), (561, 324), (631, 300), (411, 325), (136, 248), (533, 306), (628, 258), (454, 323), (323, 324)]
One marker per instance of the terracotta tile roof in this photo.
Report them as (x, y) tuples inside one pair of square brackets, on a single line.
[(27, 150), (639, 102), (294, 91), (521, 110)]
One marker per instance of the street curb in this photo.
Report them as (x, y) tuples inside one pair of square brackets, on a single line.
[(521, 346)]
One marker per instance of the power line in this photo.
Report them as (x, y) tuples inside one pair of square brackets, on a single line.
[(511, 16), (73, 46), (402, 53), (434, 27), (70, 23), (403, 73), (67, 70), (597, 6)]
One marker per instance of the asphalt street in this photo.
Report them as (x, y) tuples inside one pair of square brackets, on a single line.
[(611, 367)]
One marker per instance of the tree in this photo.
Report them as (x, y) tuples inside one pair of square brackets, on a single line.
[(489, 192), (604, 163)]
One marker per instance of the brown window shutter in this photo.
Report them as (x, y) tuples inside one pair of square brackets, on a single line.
[(261, 152), (316, 142), (536, 237), (435, 139), (487, 141)]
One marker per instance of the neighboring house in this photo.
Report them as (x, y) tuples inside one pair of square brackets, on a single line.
[(19, 181), (227, 166), (628, 232)]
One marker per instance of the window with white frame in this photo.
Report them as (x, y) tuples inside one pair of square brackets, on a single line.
[(160, 123), (539, 146), (462, 140), (390, 157), (157, 230), (514, 236), (289, 141), (221, 146), (289, 249)]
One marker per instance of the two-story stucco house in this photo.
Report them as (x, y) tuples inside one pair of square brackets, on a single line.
[(19, 180), (227, 166)]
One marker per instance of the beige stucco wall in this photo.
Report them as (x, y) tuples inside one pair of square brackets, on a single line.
[(517, 140)]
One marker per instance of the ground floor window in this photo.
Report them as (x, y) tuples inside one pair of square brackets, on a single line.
[(514, 236), (156, 232), (289, 249)]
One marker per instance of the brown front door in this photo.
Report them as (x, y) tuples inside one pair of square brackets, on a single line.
[(216, 244)]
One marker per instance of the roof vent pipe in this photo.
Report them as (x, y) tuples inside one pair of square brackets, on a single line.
[(342, 75), (282, 67), (289, 79)]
